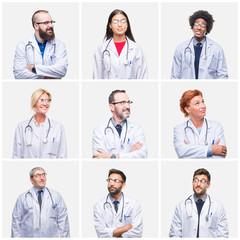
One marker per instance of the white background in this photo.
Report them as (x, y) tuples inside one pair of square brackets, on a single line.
[(158, 38), (17, 26), (143, 17), (144, 110), (141, 185), (64, 108), (176, 185), (60, 177), (176, 29), (220, 103)]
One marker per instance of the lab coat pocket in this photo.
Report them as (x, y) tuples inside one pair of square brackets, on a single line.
[(213, 64), (53, 148), (213, 223), (53, 213)]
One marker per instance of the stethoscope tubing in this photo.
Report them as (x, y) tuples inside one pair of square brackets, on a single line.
[(108, 203)]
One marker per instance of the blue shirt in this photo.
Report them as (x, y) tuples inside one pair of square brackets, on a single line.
[(36, 191), (42, 46)]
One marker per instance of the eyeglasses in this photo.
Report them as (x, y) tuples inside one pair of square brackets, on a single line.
[(123, 102), (200, 25), (196, 180), (46, 23), (40, 175), (44, 100), (115, 21), (114, 180)]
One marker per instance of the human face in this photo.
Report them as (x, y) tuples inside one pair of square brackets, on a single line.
[(115, 188), (120, 112), (118, 28), (38, 180), (45, 31), (42, 107), (199, 31), (197, 108), (199, 188)]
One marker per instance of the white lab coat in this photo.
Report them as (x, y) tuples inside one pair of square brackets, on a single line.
[(136, 69), (112, 143), (106, 221), (56, 147), (214, 67), (51, 65), (185, 226), (191, 145), (29, 222)]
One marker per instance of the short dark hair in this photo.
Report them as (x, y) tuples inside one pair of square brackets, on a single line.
[(202, 171), (111, 97), (204, 15), (111, 171)]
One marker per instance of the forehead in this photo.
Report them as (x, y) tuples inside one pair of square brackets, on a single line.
[(120, 96), (44, 95), (200, 20), (38, 171), (119, 16), (42, 16), (196, 98), (201, 177), (115, 176)]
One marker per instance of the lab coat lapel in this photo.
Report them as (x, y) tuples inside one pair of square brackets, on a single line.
[(194, 205), (34, 196), (203, 132), (46, 195), (193, 128), (35, 44), (205, 207), (192, 59), (112, 48)]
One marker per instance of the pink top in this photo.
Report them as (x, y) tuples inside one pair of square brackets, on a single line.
[(119, 46)]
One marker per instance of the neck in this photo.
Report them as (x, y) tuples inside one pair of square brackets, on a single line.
[(197, 122), (199, 39), (200, 196), (39, 118), (117, 120), (117, 196), (119, 38), (39, 38)]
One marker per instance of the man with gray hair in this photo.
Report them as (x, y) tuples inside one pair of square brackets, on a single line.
[(118, 137), (40, 212), (41, 55)]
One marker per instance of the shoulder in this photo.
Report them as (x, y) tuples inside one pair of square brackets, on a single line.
[(101, 126), (212, 123), (23, 123), (180, 126), (183, 45), (100, 203), (55, 123), (211, 42), (52, 192)]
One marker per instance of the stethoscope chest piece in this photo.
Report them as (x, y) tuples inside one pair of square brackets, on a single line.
[(204, 57), (126, 62), (45, 140)]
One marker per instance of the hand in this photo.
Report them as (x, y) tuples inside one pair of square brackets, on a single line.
[(136, 146), (220, 150), (30, 67), (103, 154)]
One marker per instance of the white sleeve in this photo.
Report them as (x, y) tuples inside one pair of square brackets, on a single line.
[(20, 64), (222, 228), (222, 71), (17, 219), (137, 224), (98, 65), (177, 65), (141, 64), (18, 141), (99, 223), (176, 226), (185, 150), (59, 69), (98, 141), (62, 152), (143, 151)]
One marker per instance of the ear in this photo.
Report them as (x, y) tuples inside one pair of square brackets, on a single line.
[(31, 180), (36, 26), (123, 185), (208, 185), (187, 109), (110, 26), (111, 106)]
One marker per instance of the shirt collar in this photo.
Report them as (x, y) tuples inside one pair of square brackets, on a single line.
[(36, 190), (195, 41), (112, 199), (115, 123), (196, 198)]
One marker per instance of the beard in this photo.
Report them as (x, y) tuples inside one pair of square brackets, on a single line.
[(122, 115), (45, 35), (114, 191), (201, 193)]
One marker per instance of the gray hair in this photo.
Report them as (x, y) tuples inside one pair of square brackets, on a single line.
[(35, 169)]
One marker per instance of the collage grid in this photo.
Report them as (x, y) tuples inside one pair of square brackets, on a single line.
[(81, 104)]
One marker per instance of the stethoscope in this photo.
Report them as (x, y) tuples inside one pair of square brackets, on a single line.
[(29, 127), (110, 129), (30, 207), (31, 47), (190, 200), (188, 50), (107, 53), (109, 204), (206, 134)]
